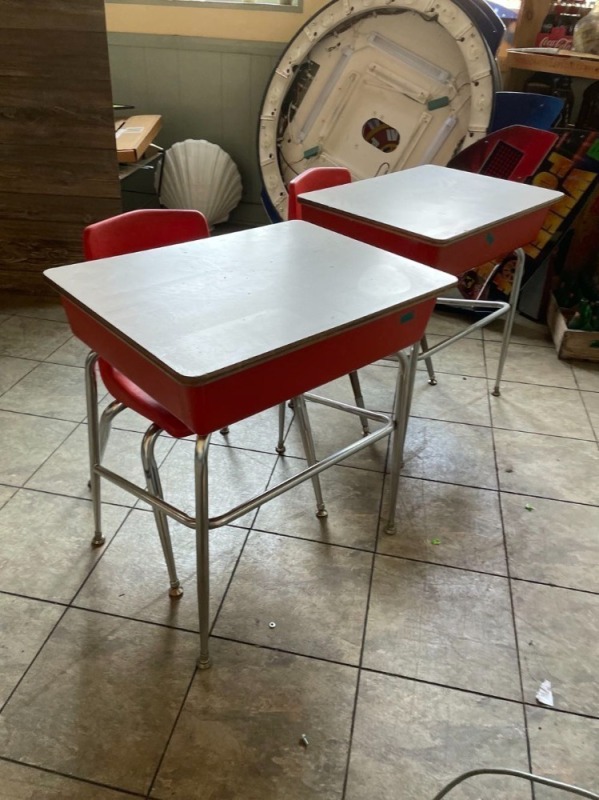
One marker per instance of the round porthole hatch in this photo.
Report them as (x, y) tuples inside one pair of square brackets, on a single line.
[(375, 87)]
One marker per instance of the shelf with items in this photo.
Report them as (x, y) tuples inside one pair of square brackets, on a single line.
[(523, 58), (570, 64)]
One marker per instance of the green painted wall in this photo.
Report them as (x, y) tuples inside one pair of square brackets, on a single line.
[(205, 89)]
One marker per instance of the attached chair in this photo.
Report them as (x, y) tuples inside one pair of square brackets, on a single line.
[(130, 233), (310, 181)]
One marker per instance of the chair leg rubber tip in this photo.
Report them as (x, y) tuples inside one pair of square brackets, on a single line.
[(175, 592)]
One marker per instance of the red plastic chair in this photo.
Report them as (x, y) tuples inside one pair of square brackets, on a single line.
[(309, 181), (130, 233)]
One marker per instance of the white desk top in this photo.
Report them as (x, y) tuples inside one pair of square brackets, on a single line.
[(205, 309), (435, 204)]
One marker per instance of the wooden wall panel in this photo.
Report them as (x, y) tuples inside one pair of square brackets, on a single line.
[(58, 167)]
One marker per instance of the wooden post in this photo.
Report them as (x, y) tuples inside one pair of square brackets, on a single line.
[(58, 166)]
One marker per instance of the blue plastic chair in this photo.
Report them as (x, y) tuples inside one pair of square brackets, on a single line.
[(523, 108)]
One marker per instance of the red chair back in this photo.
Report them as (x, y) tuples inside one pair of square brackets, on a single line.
[(311, 180), (512, 153), (142, 230)]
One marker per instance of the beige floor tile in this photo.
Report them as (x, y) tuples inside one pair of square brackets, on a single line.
[(352, 497), (25, 626), (525, 331), (547, 466), (455, 398), (100, 700), (45, 544), (4, 317), (446, 524), (234, 477), (333, 430), (530, 364), (587, 375), (26, 443), (67, 471), (72, 353), (541, 409), (591, 403), (450, 452), (446, 323), (552, 542), (377, 382), (12, 370), (131, 579), (411, 739), (260, 432), (465, 357), (563, 747), (442, 625), (25, 337), (20, 782), (6, 492), (558, 633), (314, 593), (49, 390), (239, 734)]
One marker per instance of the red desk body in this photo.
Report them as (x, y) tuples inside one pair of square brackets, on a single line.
[(442, 217), (223, 328)]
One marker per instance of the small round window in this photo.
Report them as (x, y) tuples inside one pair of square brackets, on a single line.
[(380, 135)]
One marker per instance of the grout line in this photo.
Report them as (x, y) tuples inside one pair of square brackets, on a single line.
[(365, 624), (69, 776)]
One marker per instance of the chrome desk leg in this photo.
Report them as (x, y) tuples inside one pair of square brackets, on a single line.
[(303, 420), (202, 546), (91, 396), (429, 362), (154, 485), (401, 410), (280, 448), (511, 315), (357, 390)]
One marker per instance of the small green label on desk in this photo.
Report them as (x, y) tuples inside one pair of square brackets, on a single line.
[(409, 315), (490, 238)]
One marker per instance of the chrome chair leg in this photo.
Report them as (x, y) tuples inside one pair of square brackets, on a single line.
[(152, 476), (280, 448), (511, 315), (303, 421), (109, 413), (93, 433), (202, 547), (357, 390), (429, 362)]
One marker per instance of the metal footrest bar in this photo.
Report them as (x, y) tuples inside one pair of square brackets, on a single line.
[(263, 497), (501, 309), (515, 773)]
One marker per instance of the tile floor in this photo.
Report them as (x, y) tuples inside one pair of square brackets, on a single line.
[(404, 660)]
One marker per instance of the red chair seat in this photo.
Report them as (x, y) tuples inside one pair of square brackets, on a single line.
[(127, 392)]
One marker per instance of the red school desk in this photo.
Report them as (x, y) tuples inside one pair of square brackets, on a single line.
[(442, 217), (223, 328)]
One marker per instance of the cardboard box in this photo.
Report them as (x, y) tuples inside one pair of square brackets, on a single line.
[(578, 345), (135, 135)]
